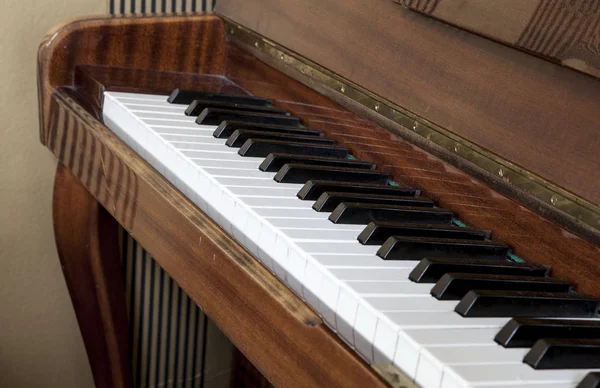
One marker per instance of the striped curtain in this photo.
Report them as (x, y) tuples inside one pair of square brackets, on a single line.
[(172, 342)]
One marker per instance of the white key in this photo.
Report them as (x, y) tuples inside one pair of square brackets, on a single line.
[(281, 203), (508, 374), (346, 248), (165, 117), (230, 164), (360, 261), (312, 235), (165, 123), (192, 139), (260, 192), (184, 133)]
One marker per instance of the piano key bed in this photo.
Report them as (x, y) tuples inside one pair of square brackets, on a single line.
[(387, 269)]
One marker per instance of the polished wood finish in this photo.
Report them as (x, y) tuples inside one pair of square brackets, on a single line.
[(88, 248), (276, 331), (536, 114), (190, 44)]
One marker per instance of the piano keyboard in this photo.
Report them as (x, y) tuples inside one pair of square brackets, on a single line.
[(387, 270)]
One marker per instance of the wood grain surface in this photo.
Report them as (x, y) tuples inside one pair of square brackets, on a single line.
[(271, 326), (536, 114), (88, 248), (192, 44)]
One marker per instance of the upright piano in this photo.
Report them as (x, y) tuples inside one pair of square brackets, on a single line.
[(357, 193)]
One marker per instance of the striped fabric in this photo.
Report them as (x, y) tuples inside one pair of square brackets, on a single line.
[(159, 6), (172, 342)]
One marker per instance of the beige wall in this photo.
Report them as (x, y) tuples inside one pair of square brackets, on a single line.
[(40, 344)]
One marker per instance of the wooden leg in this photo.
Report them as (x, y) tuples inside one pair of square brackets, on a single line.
[(87, 242)]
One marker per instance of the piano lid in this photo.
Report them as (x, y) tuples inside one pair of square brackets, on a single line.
[(521, 123)]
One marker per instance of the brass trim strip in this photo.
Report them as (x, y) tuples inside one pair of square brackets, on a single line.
[(555, 197)]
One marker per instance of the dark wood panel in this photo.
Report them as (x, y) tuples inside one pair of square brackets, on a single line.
[(533, 113)]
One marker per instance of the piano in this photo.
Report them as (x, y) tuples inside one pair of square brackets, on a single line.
[(356, 194)]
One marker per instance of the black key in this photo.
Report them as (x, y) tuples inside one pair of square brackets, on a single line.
[(185, 97), (226, 128), (215, 116), (523, 332), (430, 270), (264, 147), (313, 189), (239, 137), (328, 201), (197, 106), (453, 286), (591, 380), (491, 303), (300, 173), (417, 248), (377, 232), (560, 353), (363, 213), (273, 162)]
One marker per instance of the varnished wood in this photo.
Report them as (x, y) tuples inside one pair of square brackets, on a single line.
[(276, 331), (536, 114), (271, 326), (259, 315), (87, 242), (192, 44)]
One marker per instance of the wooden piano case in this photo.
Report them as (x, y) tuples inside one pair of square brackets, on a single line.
[(100, 183)]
